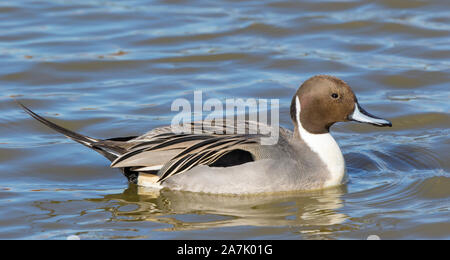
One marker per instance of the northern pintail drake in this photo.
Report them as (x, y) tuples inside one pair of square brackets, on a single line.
[(304, 159)]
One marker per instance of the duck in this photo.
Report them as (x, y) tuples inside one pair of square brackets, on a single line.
[(305, 158)]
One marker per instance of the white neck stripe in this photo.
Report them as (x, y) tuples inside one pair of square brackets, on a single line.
[(326, 147)]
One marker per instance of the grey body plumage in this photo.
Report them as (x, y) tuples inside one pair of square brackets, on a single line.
[(221, 159)]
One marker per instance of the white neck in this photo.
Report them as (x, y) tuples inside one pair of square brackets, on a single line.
[(327, 149)]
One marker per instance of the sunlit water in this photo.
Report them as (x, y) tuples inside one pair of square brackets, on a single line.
[(113, 68)]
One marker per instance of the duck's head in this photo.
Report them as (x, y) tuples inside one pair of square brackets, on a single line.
[(324, 100)]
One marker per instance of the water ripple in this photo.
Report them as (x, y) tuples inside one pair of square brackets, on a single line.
[(112, 68)]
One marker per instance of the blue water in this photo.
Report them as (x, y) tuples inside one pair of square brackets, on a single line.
[(113, 68)]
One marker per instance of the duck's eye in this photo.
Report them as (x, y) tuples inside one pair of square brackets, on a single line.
[(334, 95)]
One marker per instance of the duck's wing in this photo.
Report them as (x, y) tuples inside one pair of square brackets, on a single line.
[(155, 152), (170, 152), (226, 150), (210, 151), (219, 144), (209, 127)]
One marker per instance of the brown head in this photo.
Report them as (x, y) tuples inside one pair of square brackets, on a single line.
[(325, 100)]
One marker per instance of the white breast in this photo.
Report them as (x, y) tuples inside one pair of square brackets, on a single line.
[(327, 149)]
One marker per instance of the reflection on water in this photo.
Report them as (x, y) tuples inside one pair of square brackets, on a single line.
[(310, 214), (113, 68), (257, 210)]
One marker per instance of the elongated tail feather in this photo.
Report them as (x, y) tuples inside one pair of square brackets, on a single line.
[(84, 140), (110, 148)]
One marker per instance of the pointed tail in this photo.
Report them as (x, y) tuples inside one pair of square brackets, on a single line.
[(84, 140), (110, 148)]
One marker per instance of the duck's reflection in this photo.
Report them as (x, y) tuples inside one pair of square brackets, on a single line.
[(188, 211)]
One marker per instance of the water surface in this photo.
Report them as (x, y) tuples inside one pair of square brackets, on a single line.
[(113, 68)]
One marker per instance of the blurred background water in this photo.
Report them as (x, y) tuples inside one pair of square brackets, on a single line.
[(113, 68)]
